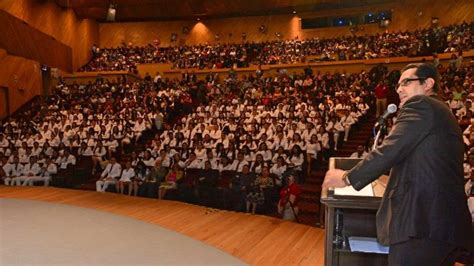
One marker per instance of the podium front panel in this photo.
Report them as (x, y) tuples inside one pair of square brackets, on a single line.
[(358, 219)]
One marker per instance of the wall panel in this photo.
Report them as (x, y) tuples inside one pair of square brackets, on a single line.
[(406, 16), (22, 77), (411, 15), (62, 24), (21, 39)]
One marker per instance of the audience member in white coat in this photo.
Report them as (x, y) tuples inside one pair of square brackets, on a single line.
[(47, 171), (31, 172), (312, 149), (127, 176), (109, 176), (360, 153), (12, 171)]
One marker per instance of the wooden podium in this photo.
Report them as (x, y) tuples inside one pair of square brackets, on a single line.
[(347, 216)]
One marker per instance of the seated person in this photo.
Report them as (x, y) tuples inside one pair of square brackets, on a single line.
[(100, 153), (67, 159), (239, 186), (128, 174), (260, 192), (360, 153), (145, 180), (47, 171), (141, 173), (85, 150), (3, 162), (287, 205), (31, 172), (109, 176), (225, 165), (239, 163), (193, 162), (312, 149), (171, 180), (278, 169), (207, 183), (12, 171)]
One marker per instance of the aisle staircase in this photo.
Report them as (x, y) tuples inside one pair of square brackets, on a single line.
[(309, 204)]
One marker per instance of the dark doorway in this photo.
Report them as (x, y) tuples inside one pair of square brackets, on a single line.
[(4, 103)]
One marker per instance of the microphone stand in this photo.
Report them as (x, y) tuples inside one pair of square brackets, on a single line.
[(379, 133), (381, 123)]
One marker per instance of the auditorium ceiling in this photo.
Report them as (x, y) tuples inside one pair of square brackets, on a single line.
[(166, 10)]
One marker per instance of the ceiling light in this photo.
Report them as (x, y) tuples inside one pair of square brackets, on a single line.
[(111, 13)]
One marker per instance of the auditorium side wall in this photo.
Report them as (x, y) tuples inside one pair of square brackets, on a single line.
[(22, 78), (20, 39), (60, 23), (407, 15)]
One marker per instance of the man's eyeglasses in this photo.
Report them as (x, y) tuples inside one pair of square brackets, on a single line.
[(406, 81)]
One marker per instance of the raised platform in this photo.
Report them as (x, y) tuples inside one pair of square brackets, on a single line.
[(254, 239), (45, 233)]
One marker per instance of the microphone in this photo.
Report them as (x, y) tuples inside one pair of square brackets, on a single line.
[(392, 108)]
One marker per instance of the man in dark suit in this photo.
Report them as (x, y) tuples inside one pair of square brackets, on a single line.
[(423, 215)]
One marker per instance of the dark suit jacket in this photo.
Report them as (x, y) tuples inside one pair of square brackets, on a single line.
[(424, 196), (208, 178)]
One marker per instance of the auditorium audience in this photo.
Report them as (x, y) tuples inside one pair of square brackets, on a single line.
[(453, 38), (245, 127)]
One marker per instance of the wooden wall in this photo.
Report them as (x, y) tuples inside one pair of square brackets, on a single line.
[(406, 16), (61, 24), (20, 39), (410, 15), (142, 33), (22, 77)]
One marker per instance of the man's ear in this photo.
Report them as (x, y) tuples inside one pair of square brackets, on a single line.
[(429, 84)]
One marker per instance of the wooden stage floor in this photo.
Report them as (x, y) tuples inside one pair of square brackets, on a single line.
[(255, 239)]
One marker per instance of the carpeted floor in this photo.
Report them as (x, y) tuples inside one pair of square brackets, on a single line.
[(39, 233)]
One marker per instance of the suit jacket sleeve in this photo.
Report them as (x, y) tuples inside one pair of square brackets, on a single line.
[(413, 124)]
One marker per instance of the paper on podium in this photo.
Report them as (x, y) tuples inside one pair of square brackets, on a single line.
[(367, 245), (367, 191)]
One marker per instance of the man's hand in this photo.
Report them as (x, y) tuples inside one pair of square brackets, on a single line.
[(333, 178)]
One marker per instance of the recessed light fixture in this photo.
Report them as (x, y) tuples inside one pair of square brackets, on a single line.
[(111, 13)]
